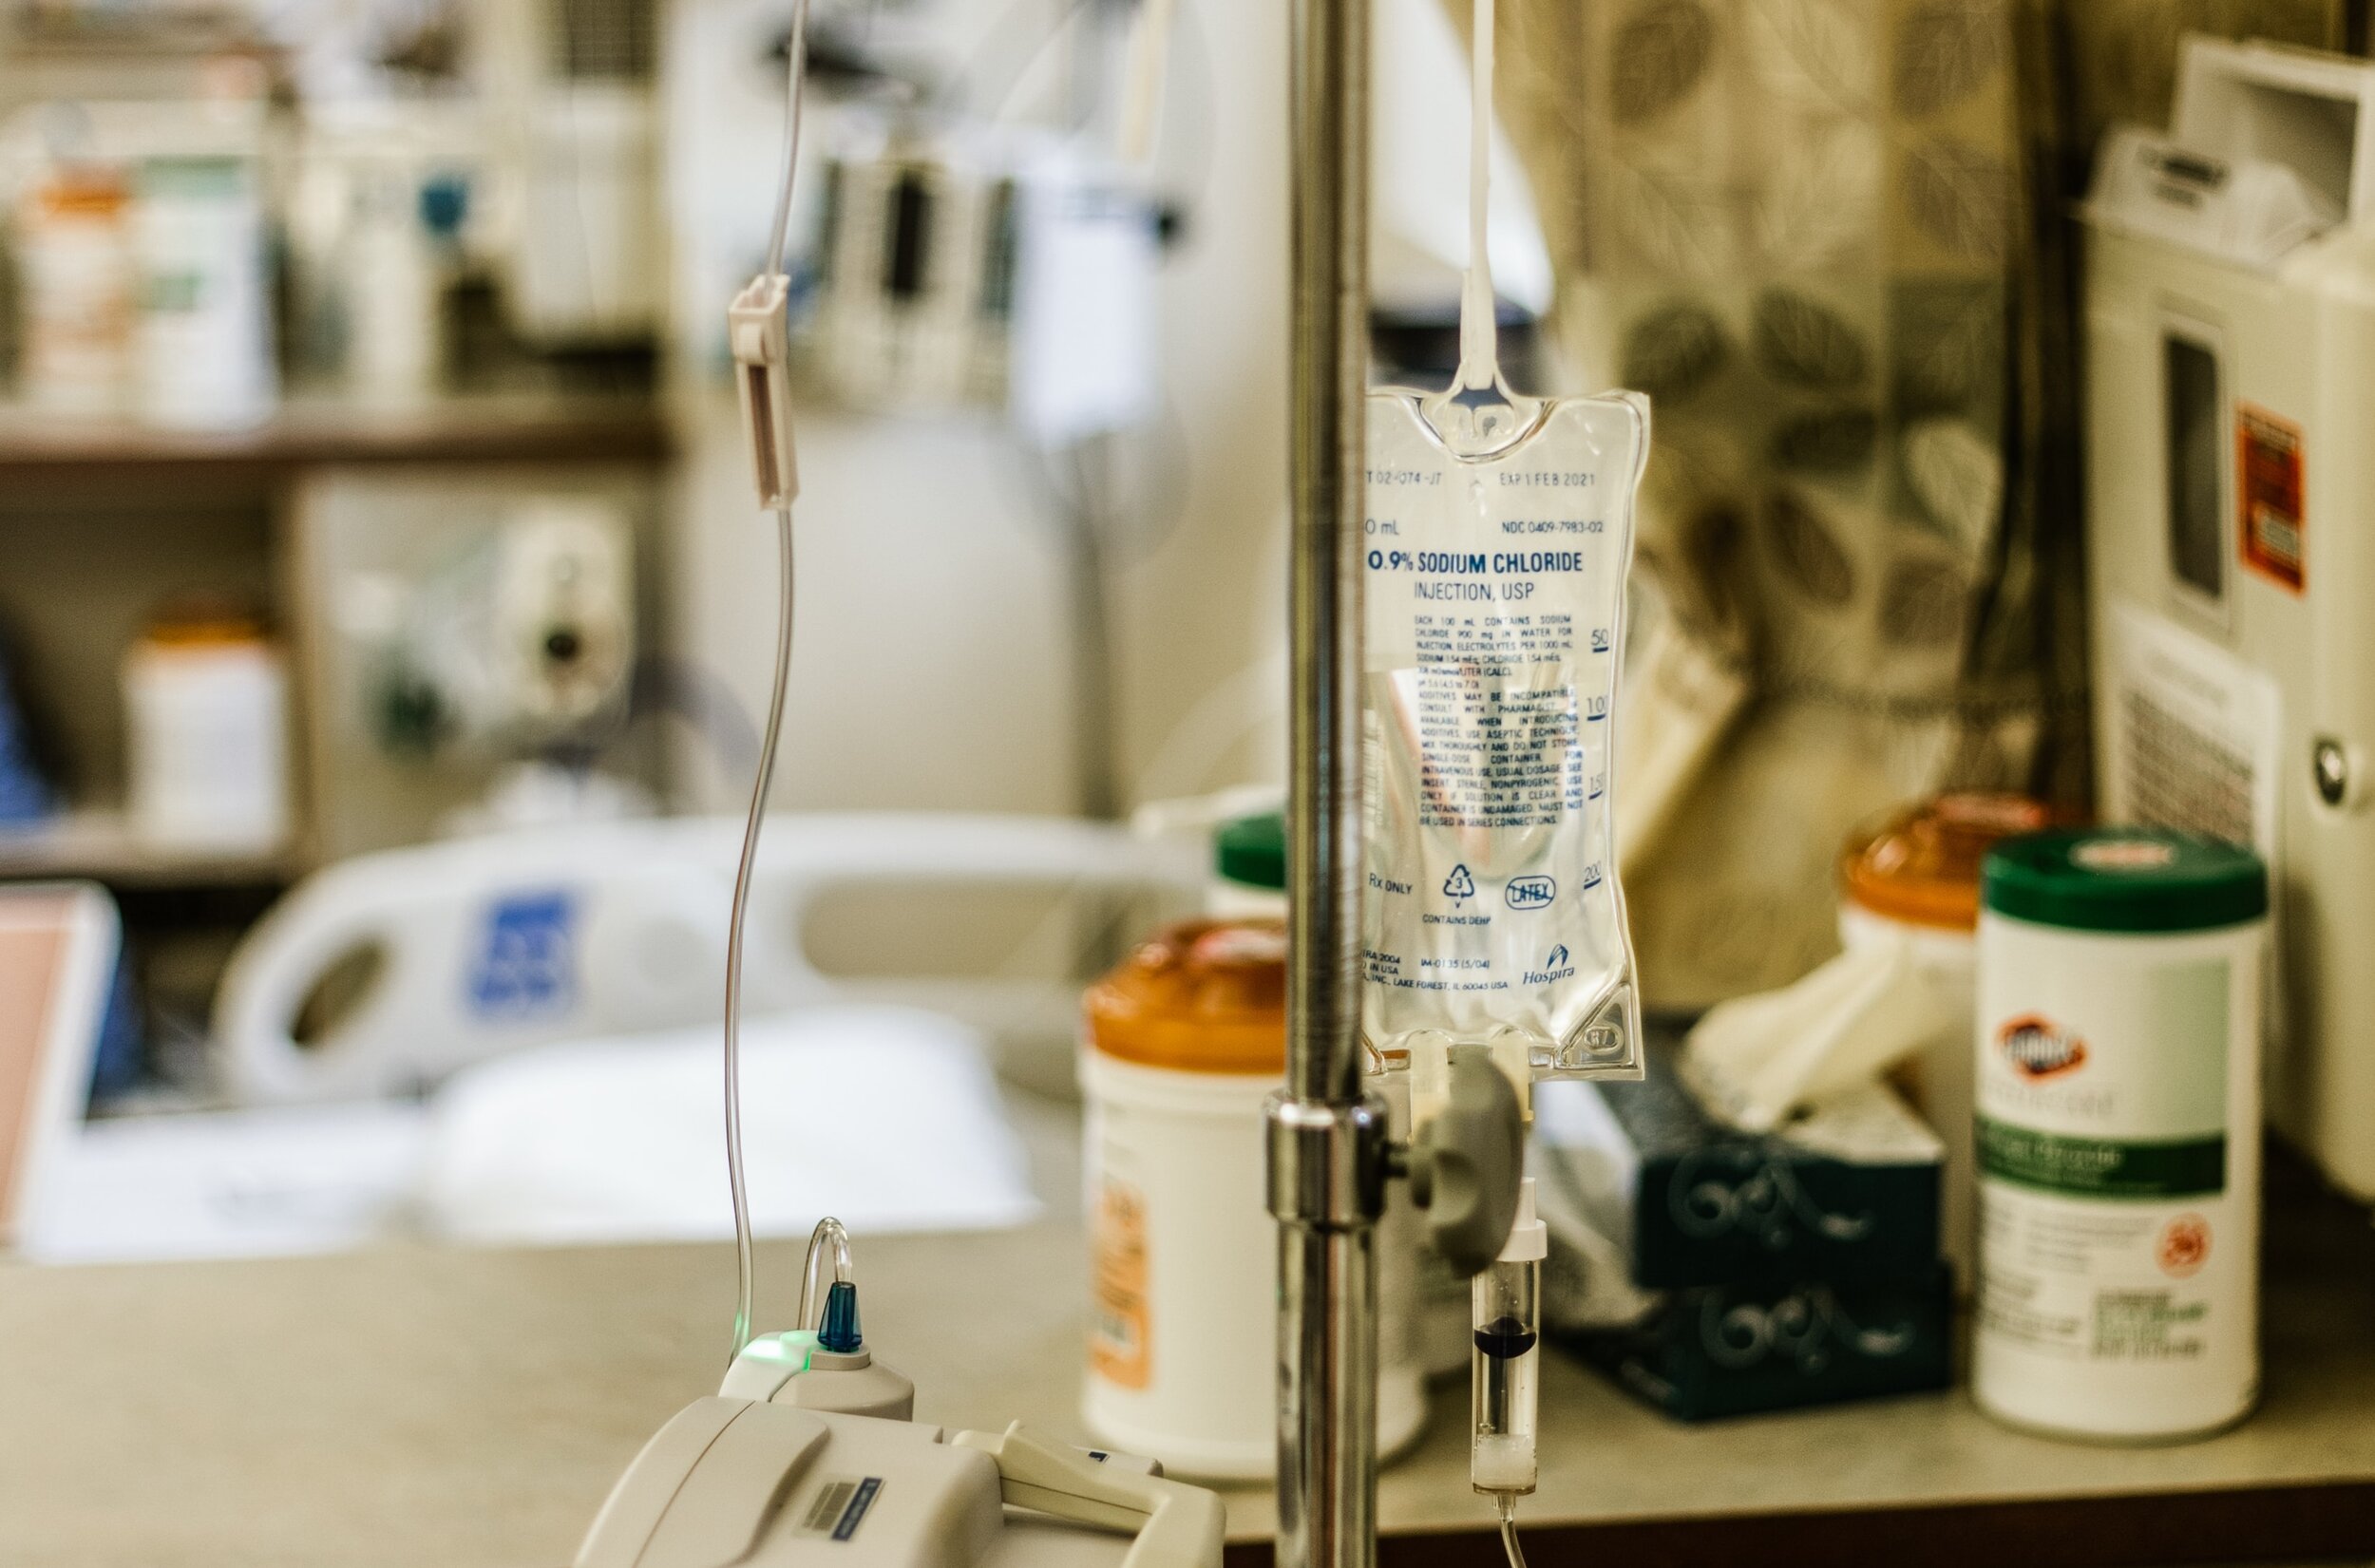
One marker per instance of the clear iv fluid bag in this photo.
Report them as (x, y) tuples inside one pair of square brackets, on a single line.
[(1495, 619)]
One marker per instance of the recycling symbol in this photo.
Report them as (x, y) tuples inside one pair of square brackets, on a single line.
[(1460, 884)]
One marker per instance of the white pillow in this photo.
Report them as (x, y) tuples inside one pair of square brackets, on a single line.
[(886, 1116)]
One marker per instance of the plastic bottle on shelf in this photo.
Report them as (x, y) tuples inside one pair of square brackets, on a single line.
[(207, 356), (205, 701), (76, 288)]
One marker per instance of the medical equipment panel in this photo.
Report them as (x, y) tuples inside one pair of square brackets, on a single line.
[(2229, 290)]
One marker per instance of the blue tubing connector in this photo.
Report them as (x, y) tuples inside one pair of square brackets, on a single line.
[(839, 1332)]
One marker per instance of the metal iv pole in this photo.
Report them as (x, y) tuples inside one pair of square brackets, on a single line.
[(1327, 1141)]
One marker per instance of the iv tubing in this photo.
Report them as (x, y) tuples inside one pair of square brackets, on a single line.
[(795, 64), (1478, 339), (1508, 1530), (829, 1234), (733, 942)]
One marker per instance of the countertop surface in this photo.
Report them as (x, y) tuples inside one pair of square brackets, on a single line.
[(471, 1410), (431, 1406)]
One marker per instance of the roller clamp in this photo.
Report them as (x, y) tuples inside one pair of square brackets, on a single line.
[(758, 331)]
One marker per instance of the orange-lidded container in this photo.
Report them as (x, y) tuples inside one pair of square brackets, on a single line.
[(78, 289), (1199, 997), (207, 733), (1183, 1044), (1913, 877), (1920, 867)]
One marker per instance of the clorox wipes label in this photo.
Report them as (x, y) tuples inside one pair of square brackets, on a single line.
[(2115, 1238)]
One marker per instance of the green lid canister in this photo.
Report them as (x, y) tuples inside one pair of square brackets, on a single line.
[(2131, 879), (2122, 995)]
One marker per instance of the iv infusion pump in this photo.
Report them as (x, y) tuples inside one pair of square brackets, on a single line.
[(2229, 339)]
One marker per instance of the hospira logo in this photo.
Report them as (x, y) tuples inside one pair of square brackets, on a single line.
[(2040, 1049), (1558, 966)]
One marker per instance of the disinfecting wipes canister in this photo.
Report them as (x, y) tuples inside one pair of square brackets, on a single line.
[(2117, 1133)]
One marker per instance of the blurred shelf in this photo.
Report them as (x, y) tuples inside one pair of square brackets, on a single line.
[(35, 30), (506, 427), (99, 845)]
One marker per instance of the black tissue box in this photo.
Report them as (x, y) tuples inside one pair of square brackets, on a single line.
[(1720, 1351), (1849, 1194)]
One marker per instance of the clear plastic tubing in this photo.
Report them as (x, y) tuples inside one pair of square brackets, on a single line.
[(1506, 1364)]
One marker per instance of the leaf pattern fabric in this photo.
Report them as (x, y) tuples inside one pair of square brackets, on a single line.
[(1946, 52), (1956, 476), (1672, 353), (1813, 53), (1962, 197), (1823, 235), (1921, 603), (1820, 201), (1946, 343), (1801, 342), (1810, 558), (1660, 55), (1673, 224), (1831, 440)]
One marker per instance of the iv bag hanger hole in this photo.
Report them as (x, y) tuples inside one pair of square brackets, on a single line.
[(1477, 418)]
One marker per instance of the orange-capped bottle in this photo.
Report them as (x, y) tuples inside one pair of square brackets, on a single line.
[(1920, 866), (1201, 997), (1913, 878), (1183, 1044)]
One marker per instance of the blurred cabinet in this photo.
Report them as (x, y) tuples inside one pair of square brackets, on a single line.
[(453, 621), (101, 523)]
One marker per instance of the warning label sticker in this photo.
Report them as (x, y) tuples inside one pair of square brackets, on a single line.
[(2196, 734), (2267, 487), (1118, 1328)]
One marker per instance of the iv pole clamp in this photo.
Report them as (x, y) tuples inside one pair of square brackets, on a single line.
[(1327, 1140)]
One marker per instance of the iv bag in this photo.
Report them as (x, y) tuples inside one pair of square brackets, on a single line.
[(1499, 532), (1497, 538)]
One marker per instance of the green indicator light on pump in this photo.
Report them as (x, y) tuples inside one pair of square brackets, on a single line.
[(789, 1350)]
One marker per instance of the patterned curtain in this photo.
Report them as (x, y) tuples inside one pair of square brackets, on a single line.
[(1832, 240)]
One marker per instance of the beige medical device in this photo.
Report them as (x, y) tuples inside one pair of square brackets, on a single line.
[(761, 1485), (2229, 303)]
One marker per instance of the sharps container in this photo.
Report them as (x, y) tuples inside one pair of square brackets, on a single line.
[(1912, 877), (2117, 1126), (1184, 1042)]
